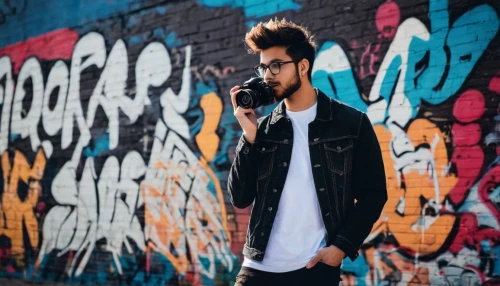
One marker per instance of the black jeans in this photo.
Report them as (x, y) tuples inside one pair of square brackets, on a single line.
[(320, 274)]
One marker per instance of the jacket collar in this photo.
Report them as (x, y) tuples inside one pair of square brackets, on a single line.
[(323, 109)]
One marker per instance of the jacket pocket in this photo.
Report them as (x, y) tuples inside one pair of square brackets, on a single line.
[(339, 155), (266, 153)]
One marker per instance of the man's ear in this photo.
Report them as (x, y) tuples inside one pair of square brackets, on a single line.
[(303, 67)]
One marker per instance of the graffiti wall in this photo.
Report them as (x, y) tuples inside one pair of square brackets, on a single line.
[(117, 134)]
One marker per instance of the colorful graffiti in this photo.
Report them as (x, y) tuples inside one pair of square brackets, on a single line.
[(18, 211), (116, 137), (440, 209), (96, 205)]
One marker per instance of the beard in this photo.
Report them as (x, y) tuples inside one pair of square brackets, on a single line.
[(291, 88)]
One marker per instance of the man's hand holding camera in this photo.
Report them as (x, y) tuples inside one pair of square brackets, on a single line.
[(245, 116)]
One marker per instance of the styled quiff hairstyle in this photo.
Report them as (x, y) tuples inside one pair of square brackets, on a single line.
[(297, 39)]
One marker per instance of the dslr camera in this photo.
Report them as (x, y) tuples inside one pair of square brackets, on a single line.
[(255, 92)]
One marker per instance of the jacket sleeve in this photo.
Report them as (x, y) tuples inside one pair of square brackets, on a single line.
[(369, 189), (242, 181)]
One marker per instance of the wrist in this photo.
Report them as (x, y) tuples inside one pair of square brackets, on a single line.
[(250, 139)]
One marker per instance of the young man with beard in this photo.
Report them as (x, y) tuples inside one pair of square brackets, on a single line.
[(312, 168)]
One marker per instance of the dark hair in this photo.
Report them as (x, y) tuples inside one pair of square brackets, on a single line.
[(297, 39)]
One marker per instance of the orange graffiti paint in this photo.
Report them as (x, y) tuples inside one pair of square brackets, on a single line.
[(14, 210)]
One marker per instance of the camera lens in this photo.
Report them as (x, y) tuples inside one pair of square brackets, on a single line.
[(246, 98)]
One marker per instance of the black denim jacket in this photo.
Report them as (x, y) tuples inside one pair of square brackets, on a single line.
[(347, 168)]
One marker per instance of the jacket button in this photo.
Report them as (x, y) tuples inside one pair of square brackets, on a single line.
[(327, 214), (263, 149), (338, 147), (270, 208), (274, 190), (316, 139), (285, 141), (285, 164), (262, 234), (322, 189), (317, 166)]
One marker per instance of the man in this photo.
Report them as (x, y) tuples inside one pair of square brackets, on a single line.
[(312, 168)]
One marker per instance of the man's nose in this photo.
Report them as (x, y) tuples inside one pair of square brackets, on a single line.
[(268, 75)]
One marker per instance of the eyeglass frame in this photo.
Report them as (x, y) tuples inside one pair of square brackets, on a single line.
[(267, 67)]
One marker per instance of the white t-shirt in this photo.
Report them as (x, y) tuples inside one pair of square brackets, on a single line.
[(298, 232)]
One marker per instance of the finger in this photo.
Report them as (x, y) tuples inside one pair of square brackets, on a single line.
[(235, 88), (233, 92), (242, 112), (245, 110), (233, 98), (314, 260)]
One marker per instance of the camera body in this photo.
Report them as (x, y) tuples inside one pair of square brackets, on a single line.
[(255, 92)]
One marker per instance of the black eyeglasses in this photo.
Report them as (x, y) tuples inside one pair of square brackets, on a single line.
[(274, 68)]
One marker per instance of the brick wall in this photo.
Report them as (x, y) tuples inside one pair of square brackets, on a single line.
[(117, 133)]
